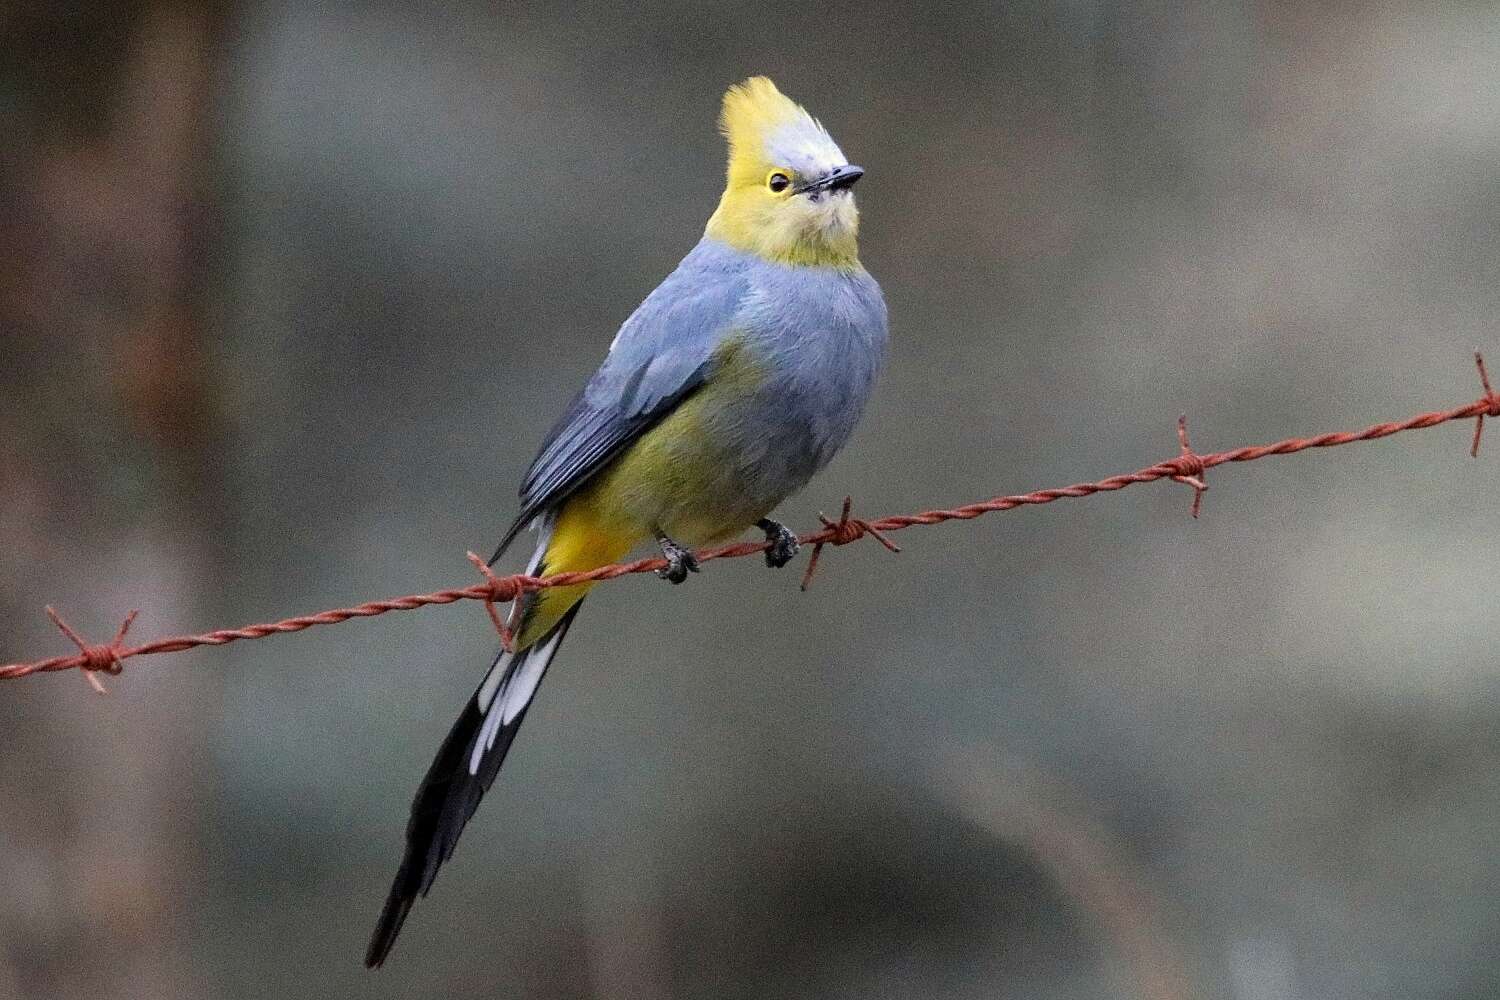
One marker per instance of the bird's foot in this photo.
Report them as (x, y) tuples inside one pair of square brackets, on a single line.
[(784, 543), (680, 562)]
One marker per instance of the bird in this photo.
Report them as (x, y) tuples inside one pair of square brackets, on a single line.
[(735, 381)]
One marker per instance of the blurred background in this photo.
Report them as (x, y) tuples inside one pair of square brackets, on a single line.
[(291, 292)]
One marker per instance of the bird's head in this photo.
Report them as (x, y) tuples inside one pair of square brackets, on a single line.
[(788, 196)]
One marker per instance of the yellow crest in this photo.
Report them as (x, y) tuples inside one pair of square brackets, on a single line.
[(775, 147), (755, 112)]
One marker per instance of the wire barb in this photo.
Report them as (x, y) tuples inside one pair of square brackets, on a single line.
[(1489, 398), (1188, 468), (94, 660), (503, 590), (847, 529)]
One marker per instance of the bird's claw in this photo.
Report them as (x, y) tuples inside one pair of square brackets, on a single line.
[(680, 562), (784, 542)]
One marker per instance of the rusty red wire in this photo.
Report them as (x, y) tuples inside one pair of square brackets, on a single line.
[(1186, 467)]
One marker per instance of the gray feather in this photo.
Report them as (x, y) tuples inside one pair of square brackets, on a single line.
[(662, 353), (818, 333)]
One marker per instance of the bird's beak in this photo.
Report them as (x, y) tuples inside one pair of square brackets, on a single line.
[(838, 177)]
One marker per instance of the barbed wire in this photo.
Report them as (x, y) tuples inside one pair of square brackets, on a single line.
[(1187, 467)]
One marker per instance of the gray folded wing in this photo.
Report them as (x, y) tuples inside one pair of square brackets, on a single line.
[(663, 352)]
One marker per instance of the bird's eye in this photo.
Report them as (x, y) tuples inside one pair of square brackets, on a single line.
[(778, 181)]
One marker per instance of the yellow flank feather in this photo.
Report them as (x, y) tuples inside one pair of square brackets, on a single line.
[(585, 536), (671, 480), (769, 134), (679, 477)]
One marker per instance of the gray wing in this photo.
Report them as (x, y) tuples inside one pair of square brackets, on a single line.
[(663, 352)]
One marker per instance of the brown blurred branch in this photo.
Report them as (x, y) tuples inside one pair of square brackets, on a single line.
[(108, 231), (1024, 806)]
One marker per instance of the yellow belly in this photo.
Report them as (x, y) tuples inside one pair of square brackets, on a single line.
[(677, 479)]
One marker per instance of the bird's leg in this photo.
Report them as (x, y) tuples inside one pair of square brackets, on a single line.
[(680, 562), (783, 541)]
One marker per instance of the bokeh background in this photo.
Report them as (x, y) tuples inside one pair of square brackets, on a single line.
[(289, 293)]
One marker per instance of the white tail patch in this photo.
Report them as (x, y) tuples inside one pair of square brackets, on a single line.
[(515, 684), (492, 681), (520, 691), (487, 732)]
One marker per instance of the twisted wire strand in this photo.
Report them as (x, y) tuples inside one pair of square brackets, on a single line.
[(1187, 467)]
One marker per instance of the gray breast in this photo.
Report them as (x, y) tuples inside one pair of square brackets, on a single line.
[(821, 334)]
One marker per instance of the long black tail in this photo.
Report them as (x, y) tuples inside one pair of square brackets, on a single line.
[(463, 770)]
